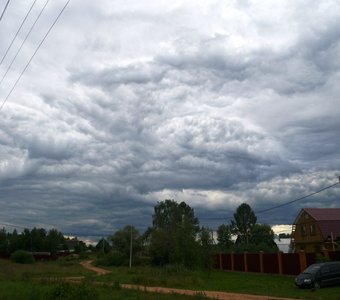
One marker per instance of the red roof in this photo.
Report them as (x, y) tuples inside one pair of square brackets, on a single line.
[(328, 220), (324, 214)]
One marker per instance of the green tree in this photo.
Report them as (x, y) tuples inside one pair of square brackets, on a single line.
[(14, 241), (224, 234), (38, 239), (3, 241), (173, 234), (54, 241), (103, 246), (121, 241), (243, 223), (206, 240), (263, 235)]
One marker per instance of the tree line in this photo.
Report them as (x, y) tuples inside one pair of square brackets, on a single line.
[(174, 238), (35, 240)]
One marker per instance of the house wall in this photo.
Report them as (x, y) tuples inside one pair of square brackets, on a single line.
[(307, 235)]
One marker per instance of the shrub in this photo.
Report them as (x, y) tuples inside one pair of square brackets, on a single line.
[(320, 258), (22, 257), (112, 259)]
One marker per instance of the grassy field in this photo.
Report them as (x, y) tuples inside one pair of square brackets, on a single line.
[(215, 280), (43, 281), (40, 281)]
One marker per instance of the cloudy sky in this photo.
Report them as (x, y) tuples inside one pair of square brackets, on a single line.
[(127, 103)]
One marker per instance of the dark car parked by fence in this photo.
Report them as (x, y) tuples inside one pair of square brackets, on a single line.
[(319, 275)]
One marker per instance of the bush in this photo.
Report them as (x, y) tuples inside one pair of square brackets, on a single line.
[(112, 259), (320, 258), (22, 257)]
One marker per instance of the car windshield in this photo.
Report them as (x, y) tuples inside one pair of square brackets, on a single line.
[(312, 269)]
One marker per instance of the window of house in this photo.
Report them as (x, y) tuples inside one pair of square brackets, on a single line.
[(303, 230), (306, 216), (312, 229)]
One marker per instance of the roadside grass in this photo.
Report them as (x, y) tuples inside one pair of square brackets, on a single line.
[(14, 271), (25, 290), (216, 280)]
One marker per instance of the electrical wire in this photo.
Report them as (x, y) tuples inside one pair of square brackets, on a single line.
[(3, 12), (22, 23), (276, 206), (24, 41), (295, 200), (35, 52)]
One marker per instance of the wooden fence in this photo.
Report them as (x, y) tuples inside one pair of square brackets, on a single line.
[(272, 263)]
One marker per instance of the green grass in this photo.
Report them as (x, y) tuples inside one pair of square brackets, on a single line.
[(14, 271), (215, 280), (33, 282), (19, 290)]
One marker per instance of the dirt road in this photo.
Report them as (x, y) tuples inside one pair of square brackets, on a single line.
[(88, 265), (161, 290)]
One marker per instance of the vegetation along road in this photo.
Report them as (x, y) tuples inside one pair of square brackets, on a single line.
[(209, 294)]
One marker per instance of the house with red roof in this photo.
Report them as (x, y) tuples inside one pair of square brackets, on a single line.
[(316, 230)]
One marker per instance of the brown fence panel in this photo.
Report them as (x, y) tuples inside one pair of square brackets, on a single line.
[(253, 260), (270, 263), (238, 262), (227, 261), (4, 255), (334, 255), (290, 263), (310, 258)]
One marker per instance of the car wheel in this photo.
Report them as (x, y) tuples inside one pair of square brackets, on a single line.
[(316, 284)]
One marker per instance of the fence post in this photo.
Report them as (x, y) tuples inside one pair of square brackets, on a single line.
[(245, 261), (303, 261), (232, 261), (325, 252), (261, 262), (279, 260)]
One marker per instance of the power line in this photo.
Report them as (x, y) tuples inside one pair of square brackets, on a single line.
[(276, 206), (295, 200), (35, 52), (3, 12), (24, 41), (22, 23)]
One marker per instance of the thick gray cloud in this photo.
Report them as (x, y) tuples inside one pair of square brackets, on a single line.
[(207, 102)]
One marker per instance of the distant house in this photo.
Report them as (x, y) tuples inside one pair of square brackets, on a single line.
[(317, 229)]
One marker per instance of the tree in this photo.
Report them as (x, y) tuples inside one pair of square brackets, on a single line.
[(38, 238), (243, 223), (206, 240), (224, 234), (54, 241), (121, 241), (103, 246), (263, 235), (173, 234), (3, 241)]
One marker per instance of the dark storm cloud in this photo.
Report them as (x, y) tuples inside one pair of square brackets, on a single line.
[(214, 104)]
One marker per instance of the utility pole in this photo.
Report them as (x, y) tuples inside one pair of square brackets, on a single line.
[(130, 263)]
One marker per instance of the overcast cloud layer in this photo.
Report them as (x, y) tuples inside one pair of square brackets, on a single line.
[(127, 103)]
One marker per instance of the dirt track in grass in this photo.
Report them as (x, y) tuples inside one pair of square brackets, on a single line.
[(162, 290)]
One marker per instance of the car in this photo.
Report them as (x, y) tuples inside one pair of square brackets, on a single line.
[(319, 275)]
